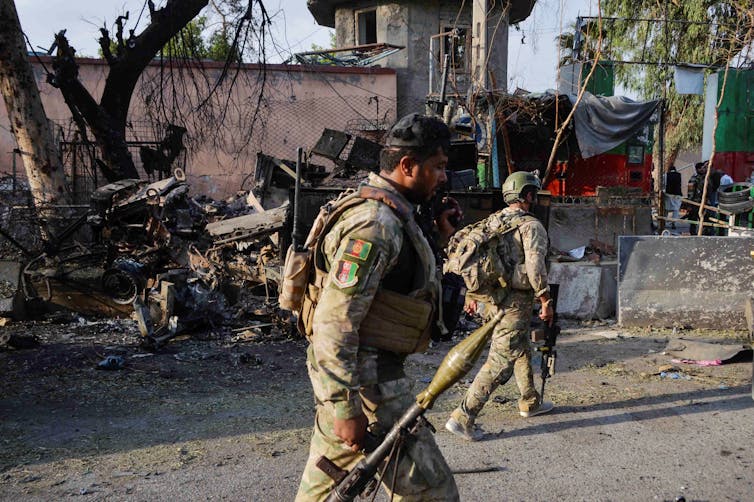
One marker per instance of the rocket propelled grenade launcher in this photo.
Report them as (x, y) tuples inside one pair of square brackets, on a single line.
[(456, 364)]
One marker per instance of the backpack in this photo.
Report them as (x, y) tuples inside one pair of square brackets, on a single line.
[(477, 253)]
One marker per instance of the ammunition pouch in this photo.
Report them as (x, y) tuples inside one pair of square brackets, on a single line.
[(305, 323), (295, 278), (397, 323)]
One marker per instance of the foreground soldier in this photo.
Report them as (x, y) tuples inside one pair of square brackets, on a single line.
[(510, 351), (376, 305)]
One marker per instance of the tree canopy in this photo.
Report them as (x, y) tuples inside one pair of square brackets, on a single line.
[(197, 41), (175, 32), (660, 35)]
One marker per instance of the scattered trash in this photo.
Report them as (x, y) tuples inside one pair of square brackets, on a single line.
[(715, 362), (193, 356), (577, 253), (246, 359), (674, 375), (14, 341), (666, 368), (701, 353), (112, 363)]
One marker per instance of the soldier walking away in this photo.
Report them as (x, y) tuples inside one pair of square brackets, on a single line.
[(378, 294), (510, 352)]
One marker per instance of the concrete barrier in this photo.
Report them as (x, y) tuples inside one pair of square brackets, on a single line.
[(697, 282), (572, 225), (587, 290)]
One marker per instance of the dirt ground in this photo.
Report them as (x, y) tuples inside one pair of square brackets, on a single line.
[(227, 415)]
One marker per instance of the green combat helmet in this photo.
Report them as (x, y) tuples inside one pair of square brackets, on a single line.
[(516, 182)]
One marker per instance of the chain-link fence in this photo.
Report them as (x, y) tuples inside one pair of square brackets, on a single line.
[(273, 113)]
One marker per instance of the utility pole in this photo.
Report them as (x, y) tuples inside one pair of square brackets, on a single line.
[(489, 46), (489, 63), (661, 164)]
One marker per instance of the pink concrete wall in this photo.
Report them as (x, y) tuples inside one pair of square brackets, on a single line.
[(298, 103)]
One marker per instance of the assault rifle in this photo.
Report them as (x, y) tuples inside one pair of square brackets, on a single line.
[(549, 354), (459, 361)]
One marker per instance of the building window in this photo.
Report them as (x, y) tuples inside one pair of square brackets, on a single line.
[(366, 23), (457, 43), (635, 154)]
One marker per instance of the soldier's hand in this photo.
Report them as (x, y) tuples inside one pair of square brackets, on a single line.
[(547, 313), (351, 430), (471, 307), (448, 220)]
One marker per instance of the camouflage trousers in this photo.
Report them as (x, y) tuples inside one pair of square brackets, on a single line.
[(423, 474), (510, 353)]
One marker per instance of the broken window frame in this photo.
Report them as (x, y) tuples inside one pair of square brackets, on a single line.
[(450, 36), (361, 18)]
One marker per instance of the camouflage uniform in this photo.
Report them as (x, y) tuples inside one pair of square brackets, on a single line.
[(510, 351), (696, 187), (349, 378)]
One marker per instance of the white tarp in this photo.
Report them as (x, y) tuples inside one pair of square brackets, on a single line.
[(689, 79)]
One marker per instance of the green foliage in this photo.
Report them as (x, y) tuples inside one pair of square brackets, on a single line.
[(712, 41), (193, 43), (190, 42), (325, 57), (220, 47)]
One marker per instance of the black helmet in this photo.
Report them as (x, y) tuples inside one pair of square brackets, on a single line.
[(419, 131)]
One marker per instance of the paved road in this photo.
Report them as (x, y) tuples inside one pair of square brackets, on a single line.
[(696, 445), (619, 431)]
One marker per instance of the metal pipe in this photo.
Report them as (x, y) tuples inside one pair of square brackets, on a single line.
[(14, 152), (296, 236), (444, 83)]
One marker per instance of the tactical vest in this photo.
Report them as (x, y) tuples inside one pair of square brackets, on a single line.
[(400, 323)]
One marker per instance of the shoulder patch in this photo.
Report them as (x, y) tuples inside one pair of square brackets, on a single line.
[(345, 274), (358, 249)]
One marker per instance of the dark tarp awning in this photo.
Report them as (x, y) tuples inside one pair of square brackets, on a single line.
[(602, 123)]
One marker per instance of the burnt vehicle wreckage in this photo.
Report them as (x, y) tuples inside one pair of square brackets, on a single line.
[(177, 262)]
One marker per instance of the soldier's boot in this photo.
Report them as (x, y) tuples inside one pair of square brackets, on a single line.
[(542, 407), (462, 425)]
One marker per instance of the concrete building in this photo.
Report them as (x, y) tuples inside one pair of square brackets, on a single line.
[(429, 29)]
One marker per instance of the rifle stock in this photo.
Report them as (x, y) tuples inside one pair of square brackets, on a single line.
[(459, 361)]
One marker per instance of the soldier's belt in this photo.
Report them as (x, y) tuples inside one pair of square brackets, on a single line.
[(397, 323)]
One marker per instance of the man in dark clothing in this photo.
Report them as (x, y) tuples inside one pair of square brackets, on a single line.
[(695, 190), (673, 193)]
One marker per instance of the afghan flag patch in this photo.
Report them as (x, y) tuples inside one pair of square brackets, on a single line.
[(358, 249), (345, 274)]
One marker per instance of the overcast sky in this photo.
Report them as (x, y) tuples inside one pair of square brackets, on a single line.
[(531, 64)]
